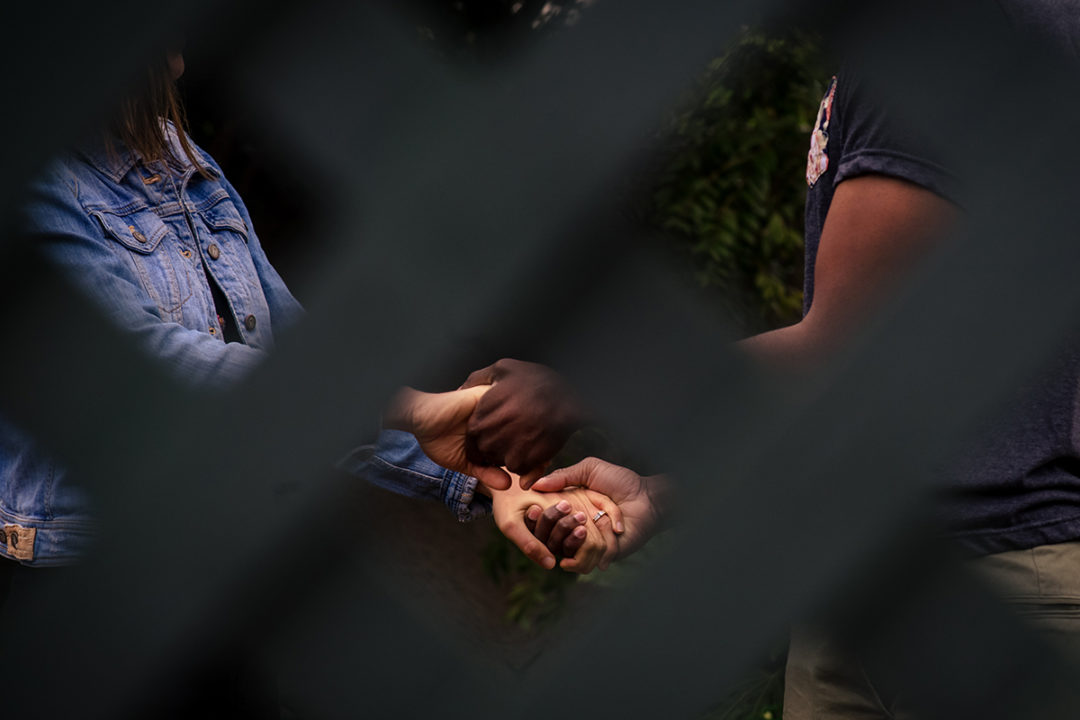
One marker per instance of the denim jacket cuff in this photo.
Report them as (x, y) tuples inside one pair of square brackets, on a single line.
[(397, 463), (459, 494)]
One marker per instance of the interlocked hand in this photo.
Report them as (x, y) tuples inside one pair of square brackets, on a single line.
[(565, 519), (439, 422), (639, 498)]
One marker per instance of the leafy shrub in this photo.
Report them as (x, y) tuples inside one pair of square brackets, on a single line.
[(732, 187)]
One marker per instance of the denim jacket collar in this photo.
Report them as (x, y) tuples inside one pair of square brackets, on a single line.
[(117, 161)]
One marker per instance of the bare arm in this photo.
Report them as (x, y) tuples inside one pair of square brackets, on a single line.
[(876, 231)]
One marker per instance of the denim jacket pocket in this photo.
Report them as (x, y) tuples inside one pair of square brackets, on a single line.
[(223, 215), (166, 279)]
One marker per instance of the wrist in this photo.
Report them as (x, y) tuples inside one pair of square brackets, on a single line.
[(399, 411)]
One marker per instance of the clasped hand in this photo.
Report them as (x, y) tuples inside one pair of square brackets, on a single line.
[(581, 525)]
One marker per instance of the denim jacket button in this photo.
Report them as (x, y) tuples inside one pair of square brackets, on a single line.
[(249, 322), (136, 234), (214, 251)]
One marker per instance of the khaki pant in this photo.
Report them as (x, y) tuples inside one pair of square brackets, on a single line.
[(827, 682)]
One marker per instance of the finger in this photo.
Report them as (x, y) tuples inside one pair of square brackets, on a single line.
[(549, 518), (495, 478), (562, 530), (574, 541), (484, 441), (555, 481), (472, 452), (481, 443), (457, 406), (471, 393), (517, 533), (577, 475), (516, 459), (531, 516), (603, 543), (610, 507), (483, 376), (527, 479), (585, 559), (611, 543), (526, 457)]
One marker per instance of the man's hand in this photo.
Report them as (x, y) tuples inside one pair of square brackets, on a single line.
[(567, 525), (524, 420), (641, 499), (439, 421)]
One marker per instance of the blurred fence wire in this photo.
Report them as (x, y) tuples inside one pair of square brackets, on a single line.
[(476, 202)]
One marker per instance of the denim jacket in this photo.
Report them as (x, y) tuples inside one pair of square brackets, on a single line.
[(144, 240)]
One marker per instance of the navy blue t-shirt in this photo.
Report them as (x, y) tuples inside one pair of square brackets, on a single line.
[(1019, 486)]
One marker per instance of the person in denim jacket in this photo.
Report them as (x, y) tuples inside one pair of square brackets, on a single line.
[(148, 226)]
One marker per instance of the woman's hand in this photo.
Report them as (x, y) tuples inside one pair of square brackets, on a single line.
[(566, 518), (440, 421), (642, 500)]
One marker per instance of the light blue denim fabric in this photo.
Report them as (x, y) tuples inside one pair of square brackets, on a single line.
[(142, 240), (397, 463), (137, 237)]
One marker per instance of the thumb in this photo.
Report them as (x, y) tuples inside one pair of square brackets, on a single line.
[(474, 392), (433, 414), (495, 478), (529, 478), (574, 476), (483, 376), (463, 402)]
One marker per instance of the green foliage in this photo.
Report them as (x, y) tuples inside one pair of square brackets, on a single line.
[(533, 595), (732, 189)]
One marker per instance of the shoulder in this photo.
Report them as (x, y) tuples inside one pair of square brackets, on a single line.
[(879, 132), (68, 196), (58, 188), (65, 173)]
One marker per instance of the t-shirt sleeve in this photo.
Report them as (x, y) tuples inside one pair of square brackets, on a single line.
[(880, 137)]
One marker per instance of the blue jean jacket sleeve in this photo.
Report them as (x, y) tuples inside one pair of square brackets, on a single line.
[(397, 463)]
